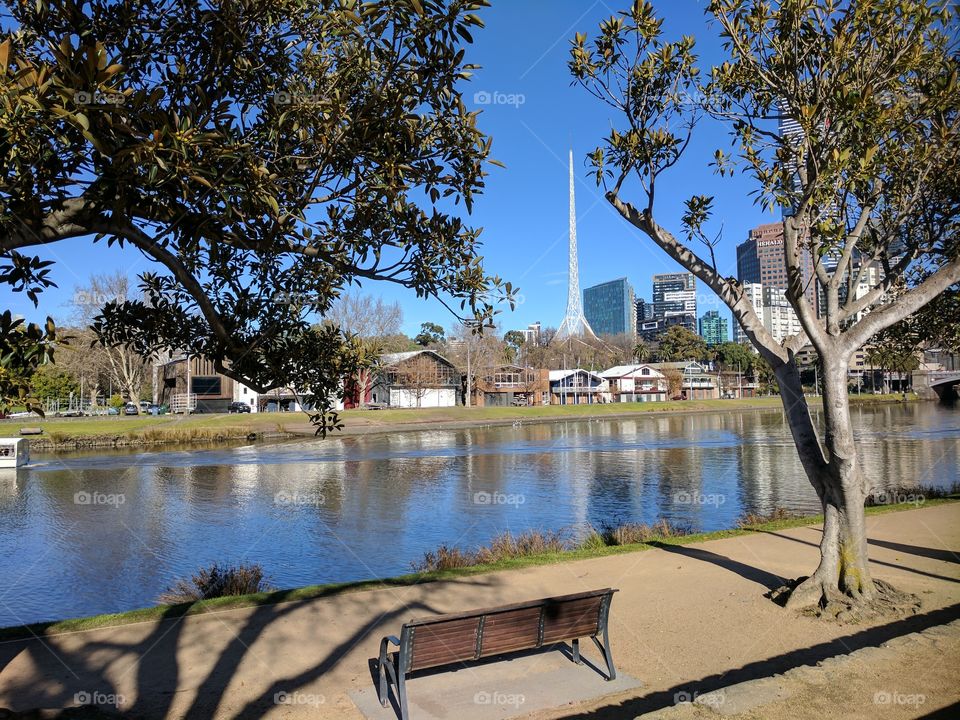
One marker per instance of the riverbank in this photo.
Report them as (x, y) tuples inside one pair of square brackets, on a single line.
[(66, 434), (311, 592), (689, 618)]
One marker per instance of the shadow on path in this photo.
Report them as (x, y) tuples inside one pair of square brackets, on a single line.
[(934, 553), (631, 707), (874, 561), (768, 579)]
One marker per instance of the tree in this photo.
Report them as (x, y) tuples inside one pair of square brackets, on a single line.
[(679, 343), (869, 179), (372, 322), (24, 347), (642, 352), (515, 340), (735, 356), (127, 369), (50, 382), (430, 334), (250, 152)]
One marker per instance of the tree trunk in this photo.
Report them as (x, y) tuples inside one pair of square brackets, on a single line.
[(834, 471)]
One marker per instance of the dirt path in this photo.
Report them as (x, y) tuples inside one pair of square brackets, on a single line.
[(687, 619)]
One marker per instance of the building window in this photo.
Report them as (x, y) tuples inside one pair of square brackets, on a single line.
[(205, 385)]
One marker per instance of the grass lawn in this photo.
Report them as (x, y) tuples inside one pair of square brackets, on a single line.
[(205, 427)]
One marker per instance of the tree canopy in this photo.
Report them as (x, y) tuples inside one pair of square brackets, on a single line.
[(261, 156)]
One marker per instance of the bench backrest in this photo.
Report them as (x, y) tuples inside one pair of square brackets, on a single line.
[(476, 634)]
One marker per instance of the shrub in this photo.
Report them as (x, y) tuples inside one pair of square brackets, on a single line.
[(752, 519), (633, 533), (445, 558), (217, 581), (531, 542)]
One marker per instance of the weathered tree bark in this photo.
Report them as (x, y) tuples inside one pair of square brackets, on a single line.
[(834, 472)]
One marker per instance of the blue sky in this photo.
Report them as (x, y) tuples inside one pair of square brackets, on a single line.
[(523, 52)]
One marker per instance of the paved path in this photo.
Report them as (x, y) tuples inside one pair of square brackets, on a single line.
[(687, 620)]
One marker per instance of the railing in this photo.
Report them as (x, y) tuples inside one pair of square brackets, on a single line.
[(183, 403)]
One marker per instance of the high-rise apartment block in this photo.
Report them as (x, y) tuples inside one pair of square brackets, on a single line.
[(713, 328)]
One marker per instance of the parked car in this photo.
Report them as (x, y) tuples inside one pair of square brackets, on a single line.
[(131, 409), (238, 407), (113, 411)]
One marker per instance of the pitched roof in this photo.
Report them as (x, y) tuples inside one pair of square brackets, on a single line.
[(619, 371), (393, 358), (563, 374)]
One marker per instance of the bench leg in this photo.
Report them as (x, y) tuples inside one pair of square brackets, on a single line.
[(576, 651), (607, 655), (402, 696)]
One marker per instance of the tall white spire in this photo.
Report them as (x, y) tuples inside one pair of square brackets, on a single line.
[(574, 322)]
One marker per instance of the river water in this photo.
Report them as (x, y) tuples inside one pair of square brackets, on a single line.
[(87, 534)]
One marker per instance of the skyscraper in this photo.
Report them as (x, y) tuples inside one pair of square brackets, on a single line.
[(574, 323), (609, 308), (713, 328), (644, 311), (675, 295), (761, 259)]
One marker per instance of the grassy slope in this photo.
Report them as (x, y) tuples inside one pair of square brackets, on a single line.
[(206, 427), (161, 612)]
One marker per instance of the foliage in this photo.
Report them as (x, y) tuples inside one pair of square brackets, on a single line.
[(51, 382), (733, 355), (515, 341), (116, 401), (679, 343), (430, 334), (217, 581), (24, 347), (261, 156)]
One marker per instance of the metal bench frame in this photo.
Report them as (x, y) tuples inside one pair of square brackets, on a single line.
[(395, 666)]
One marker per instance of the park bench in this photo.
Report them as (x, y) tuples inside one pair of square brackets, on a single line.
[(474, 635)]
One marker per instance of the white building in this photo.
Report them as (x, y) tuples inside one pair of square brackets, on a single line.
[(635, 383), (779, 317), (754, 293)]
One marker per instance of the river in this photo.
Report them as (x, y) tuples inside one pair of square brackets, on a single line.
[(87, 534)]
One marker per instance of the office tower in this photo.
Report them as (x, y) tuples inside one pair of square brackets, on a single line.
[(609, 308), (644, 311)]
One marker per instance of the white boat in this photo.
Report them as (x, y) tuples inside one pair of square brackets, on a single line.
[(14, 452)]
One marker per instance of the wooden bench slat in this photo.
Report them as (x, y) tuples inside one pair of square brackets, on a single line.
[(506, 608)]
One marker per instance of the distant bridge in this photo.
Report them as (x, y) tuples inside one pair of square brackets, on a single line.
[(944, 383)]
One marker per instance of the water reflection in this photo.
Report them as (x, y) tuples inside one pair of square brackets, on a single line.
[(359, 507)]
